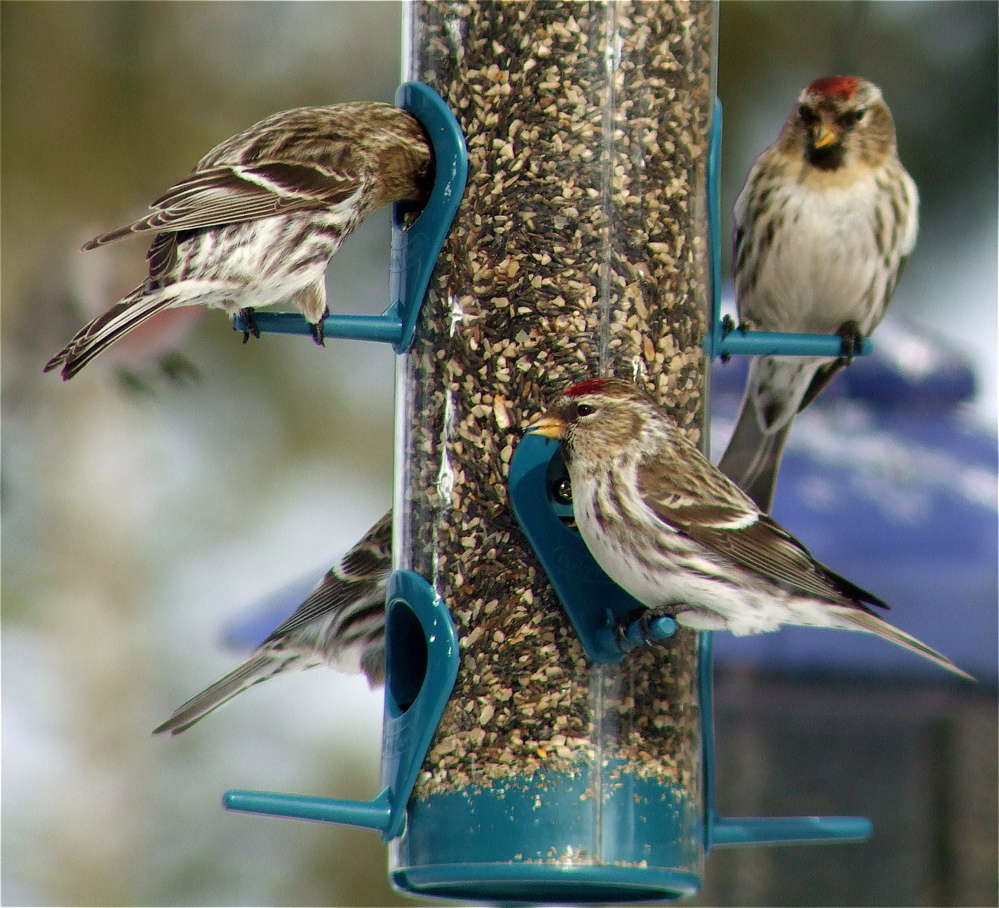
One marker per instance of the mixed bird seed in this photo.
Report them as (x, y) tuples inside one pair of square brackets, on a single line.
[(579, 251)]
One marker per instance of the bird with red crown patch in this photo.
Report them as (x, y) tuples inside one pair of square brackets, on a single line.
[(681, 537), (823, 227)]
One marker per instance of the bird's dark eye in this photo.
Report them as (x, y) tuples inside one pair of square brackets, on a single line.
[(852, 117), (585, 410), (807, 115)]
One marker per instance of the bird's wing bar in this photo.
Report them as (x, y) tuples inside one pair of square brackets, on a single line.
[(234, 194), (723, 523), (766, 548)]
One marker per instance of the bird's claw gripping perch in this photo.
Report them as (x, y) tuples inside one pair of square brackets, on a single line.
[(728, 325), (249, 324), (852, 341), (316, 331)]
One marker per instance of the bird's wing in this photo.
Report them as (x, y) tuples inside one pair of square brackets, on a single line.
[(359, 600), (706, 506), (890, 290), (766, 548), (230, 194), (357, 580)]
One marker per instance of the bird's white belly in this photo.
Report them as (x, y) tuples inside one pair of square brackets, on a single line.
[(251, 271), (661, 580), (820, 269)]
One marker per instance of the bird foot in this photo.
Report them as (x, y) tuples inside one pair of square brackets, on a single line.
[(250, 322), (728, 326), (852, 341), (317, 329)]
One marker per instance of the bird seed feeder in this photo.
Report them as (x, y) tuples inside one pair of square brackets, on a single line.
[(535, 747), (597, 834)]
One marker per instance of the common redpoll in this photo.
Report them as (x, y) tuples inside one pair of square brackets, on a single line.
[(341, 624), (822, 229), (257, 221), (681, 537)]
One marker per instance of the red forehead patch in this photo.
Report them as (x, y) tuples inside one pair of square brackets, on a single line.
[(842, 87), (592, 386)]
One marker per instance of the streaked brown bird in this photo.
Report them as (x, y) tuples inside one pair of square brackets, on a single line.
[(685, 540), (823, 226), (261, 215), (341, 625)]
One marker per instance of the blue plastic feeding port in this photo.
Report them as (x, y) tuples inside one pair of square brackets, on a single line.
[(723, 341), (600, 611), (414, 248), (421, 664)]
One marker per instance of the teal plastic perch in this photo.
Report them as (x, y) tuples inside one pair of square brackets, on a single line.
[(771, 343), (385, 328), (376, 814), (720, 341), (415, 249), (421, 655), (788, 830)]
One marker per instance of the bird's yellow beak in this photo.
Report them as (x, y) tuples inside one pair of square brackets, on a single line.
[(824, 134), (549, 426)]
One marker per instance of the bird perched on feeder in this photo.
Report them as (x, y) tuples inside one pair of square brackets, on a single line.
[(823, 226), (341, 625), (681, 537), (261, 215)]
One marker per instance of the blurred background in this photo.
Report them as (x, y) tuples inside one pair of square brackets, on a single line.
[(149, 503)]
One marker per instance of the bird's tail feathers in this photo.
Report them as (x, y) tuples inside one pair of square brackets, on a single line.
[(753, 456), (875, 625), (118, 234), (99, 334), (258, 668)]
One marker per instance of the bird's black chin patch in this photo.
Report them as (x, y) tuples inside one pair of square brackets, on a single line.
[(828, 158)]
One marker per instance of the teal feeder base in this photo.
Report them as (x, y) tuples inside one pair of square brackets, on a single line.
[(553, 838), (546, 883)]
